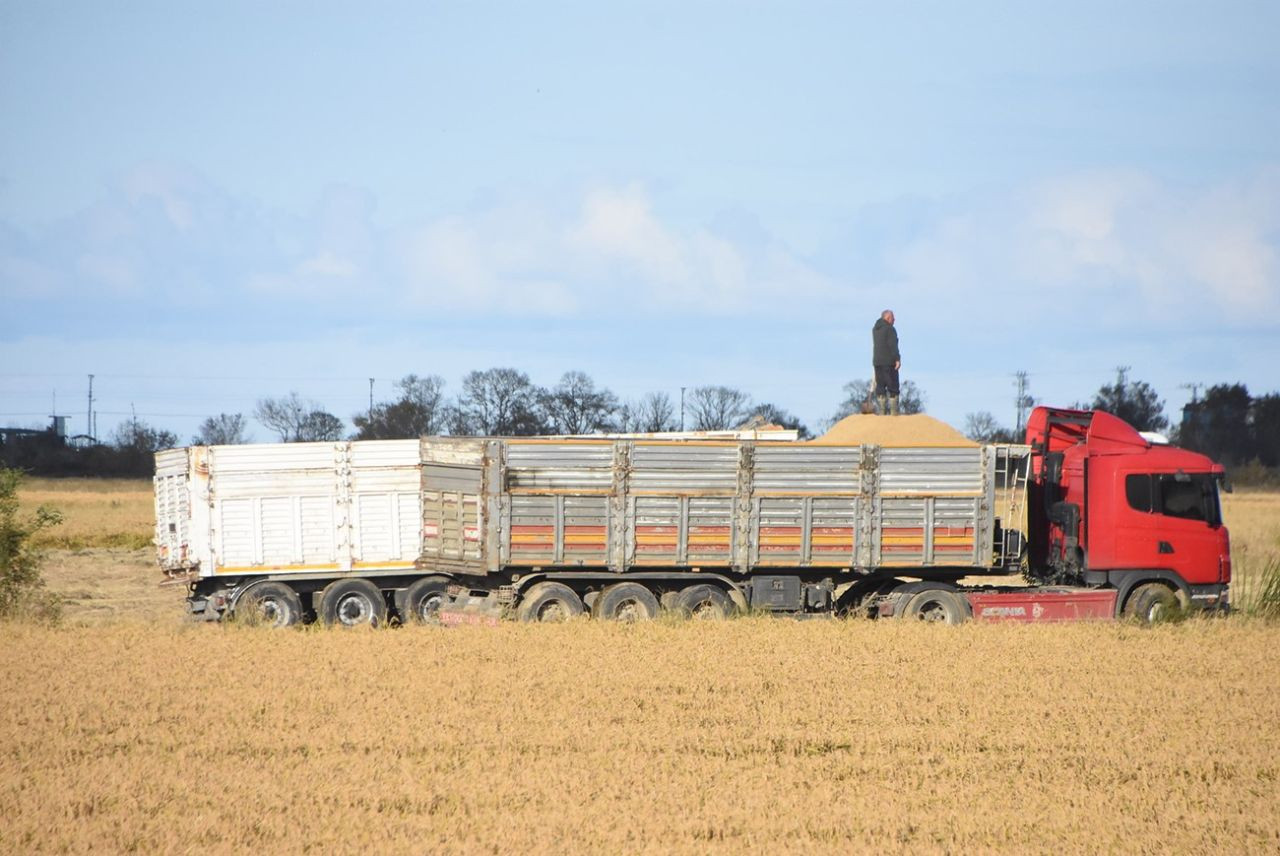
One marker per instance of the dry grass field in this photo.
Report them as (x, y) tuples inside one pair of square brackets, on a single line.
[(116, 513), (129, 730)]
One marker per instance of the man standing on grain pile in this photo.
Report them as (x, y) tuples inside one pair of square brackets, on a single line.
[(886, 361)]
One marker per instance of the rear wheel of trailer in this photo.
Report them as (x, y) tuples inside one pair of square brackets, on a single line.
[(352, 603), (269, 603), (702, 601), (420, 602), (625, 602), (548, 601)]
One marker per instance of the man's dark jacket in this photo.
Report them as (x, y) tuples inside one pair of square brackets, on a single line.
[(884, 340)]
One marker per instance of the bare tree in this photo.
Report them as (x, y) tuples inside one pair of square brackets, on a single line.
[(982, 427), (653, 413), (498, 402), (910, 398), (576, 406), (718, 408), (297, 420), (771, 414), (225, 429), (137, 436), (420, 410)]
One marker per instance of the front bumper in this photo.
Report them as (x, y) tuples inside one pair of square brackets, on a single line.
[(1211, 598)]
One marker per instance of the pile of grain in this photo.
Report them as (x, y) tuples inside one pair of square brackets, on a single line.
[(914, 430)]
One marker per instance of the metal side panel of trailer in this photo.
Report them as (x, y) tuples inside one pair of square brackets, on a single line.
[(293, 507), (173, 500), (737, 505)]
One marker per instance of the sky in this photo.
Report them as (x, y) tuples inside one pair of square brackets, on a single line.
[(207, 204)]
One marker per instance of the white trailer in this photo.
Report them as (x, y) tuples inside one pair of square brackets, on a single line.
[(300, 529)]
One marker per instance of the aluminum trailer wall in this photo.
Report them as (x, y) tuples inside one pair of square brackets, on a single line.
[(740, 506), (289, 508)]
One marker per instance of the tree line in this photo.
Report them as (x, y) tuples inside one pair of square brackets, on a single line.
[(1239, 430), (1228, 424), (506, 402)]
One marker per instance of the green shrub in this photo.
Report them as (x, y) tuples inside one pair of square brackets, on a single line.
[(1257, 592), (22, 593)]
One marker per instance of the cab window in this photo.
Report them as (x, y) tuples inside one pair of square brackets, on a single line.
[(1137, 489), (1181, 495), (1190, 497)]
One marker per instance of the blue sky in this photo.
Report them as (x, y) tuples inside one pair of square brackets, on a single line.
[(206, 204)]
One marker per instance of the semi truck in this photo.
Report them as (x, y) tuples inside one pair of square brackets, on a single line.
[(1087, 519)]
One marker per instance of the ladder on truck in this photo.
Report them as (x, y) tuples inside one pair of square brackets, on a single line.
[(1013, 469)]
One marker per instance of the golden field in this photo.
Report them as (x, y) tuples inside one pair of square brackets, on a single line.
[(117, 513), (755, 735), (130, 730)]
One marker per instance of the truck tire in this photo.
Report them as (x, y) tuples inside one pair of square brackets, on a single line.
[(938, 605), (549, 602), (626, 602), (352, 603), (703, 601), (270, 604), (420, 602), (1152, 603)]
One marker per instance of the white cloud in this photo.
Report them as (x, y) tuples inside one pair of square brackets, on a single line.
[(1106, 245), (326, 263), (614, 252), (616, 226), (29, 279), (116, 273)]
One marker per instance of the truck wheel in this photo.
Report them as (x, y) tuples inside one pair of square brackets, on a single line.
[(626, 602), (272, 604), (352, 603), (420, 602), (1152, 603), (549, 602), (940, 605), (703, 601)]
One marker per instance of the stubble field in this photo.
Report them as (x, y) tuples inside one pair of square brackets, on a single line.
[(128, 729)]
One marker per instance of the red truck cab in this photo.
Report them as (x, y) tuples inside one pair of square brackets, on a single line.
[(1110, 507)]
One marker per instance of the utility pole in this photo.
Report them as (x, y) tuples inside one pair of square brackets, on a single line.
[(370, 400), (88, 416), (1023, 401), (1195, 391), (682, 408)]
